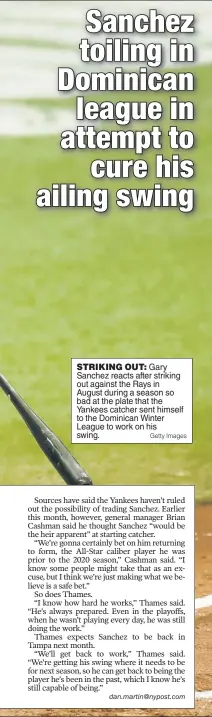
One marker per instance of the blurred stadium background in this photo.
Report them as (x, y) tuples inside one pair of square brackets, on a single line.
[(73, 283)]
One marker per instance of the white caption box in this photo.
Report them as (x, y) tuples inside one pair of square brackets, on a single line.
[(132, 400), (97, 597)]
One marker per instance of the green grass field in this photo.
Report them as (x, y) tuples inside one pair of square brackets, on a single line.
[(130, 283)]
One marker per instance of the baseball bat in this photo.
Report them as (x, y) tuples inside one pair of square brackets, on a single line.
[(62, 460)]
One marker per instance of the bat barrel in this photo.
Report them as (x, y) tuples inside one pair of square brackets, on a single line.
[(32, 420), (62, 460)]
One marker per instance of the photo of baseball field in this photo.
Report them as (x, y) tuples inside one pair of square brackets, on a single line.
[(75, 283)]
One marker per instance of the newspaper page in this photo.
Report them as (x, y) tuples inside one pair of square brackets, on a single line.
[(105, 439)]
